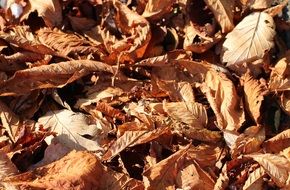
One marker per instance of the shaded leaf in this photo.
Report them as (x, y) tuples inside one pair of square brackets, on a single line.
[(278, 142), (50, 76), (223, 12), (254, 96), (133, 138)]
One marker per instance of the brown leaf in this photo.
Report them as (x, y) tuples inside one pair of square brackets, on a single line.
[(156, 10), (191, 113), (66, 43), (254, 96), (132, 25), (249, 40), (50, 76), (177, 171), (278, 142), (248, 142), (279, 79), (6, 166), (133, 138), (285, 101), (23, 38), (223, 12), (278, 167), (223, 99), (77, 170)]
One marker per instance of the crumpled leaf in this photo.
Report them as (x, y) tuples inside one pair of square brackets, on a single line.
[(223, 12), (255, 180), (279, 79), (6, 166), (177, 171), (133, 138), (249, 40), (67, 43), (254, 96), (71, 127), (49, 10), (278, 142), (134, 26), (223, 98), (285, 101), (249, 142), (77, 170), (156, 9), (276, 166), (191, 113), (50, 76)]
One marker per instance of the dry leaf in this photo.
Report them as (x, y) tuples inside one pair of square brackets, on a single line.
[(249, 40), (133, 138), (248, 142), (255, 180), (77, 170), (285, 101), (279, 79), (50, 11), (224, 101), (7, 167), (155, 10), (278, 167), (66, 43), (192, 113), (223, 12), (177, 171), (254, 96), (71, 127), (50, 76), (278, 142)]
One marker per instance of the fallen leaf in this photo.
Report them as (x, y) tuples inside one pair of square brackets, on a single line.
[(71, 127), (193, 114), (77, 170), (223, 12), (278, 167), (133, 138), (50, 76), (249, 40), (254, 96), (155, 10), (49, 10), (278, 142), (285, 101), (177, 171), (255, 180)]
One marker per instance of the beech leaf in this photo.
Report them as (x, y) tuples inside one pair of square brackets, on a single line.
[(249, 40)]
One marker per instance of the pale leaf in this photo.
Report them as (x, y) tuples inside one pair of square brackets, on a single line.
[(193, 114), (70, 127), (223, 12), (254, 96), (49, 10), (249, 40), (7, 168), (50, 76), (255, 180), (276, 166)]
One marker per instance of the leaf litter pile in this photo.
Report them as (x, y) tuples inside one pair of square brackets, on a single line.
[(144, 94)]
